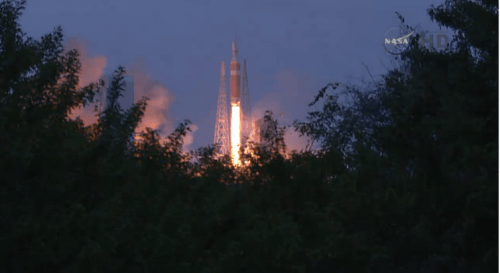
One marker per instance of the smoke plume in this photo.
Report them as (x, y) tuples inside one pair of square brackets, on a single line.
[(92, 67), (156, 116), (294, 141), (291, 94), (188, 140), (160, 98)]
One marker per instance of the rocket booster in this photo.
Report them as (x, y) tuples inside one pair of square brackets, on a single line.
[(235, 78)]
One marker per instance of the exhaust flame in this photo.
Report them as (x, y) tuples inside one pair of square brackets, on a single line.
[(235, 134)]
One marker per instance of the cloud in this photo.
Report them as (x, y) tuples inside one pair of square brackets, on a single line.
[(92, 67), (269, 103), (160, 99), (294, 141), (189, 138), (293, 91)]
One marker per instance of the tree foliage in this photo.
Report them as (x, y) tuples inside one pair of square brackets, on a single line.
[(405, 179)]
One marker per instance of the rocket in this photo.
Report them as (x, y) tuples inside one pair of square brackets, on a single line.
[(235, 78)]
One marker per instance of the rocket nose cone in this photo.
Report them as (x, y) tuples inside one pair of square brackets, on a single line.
[(235, 51)]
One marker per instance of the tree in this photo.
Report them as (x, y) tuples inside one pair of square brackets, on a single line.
[(431, 146), (405, 180)]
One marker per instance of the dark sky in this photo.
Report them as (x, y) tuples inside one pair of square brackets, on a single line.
[(292, 47)]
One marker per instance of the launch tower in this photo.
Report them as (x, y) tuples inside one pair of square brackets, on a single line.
[(245, 103), (221, 134), (230, 137)]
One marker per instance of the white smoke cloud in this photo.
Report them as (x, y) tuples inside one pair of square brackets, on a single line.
[(289, 101), (156, 116), (92, 67), (189, 138), (294, 141), (269, 103), (160, 98)]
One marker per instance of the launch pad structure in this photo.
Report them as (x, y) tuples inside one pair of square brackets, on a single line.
[(221, 133), (231, 130)]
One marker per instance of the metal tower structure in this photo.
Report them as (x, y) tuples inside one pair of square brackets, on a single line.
[(221, 135), (245, 101)]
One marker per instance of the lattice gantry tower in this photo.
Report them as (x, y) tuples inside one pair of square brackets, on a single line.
[(245, 101), (221, 135)]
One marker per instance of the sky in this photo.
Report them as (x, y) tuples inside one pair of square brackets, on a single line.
[(174, 49)]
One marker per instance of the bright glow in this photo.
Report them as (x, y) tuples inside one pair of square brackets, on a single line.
[(235, 134)]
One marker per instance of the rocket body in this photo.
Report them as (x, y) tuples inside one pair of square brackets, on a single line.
[(236, 117), (235, 78)]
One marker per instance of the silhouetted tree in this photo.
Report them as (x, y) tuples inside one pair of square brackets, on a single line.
[(405, 180)]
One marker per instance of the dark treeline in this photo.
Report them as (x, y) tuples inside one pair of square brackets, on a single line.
[(405, 180)]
